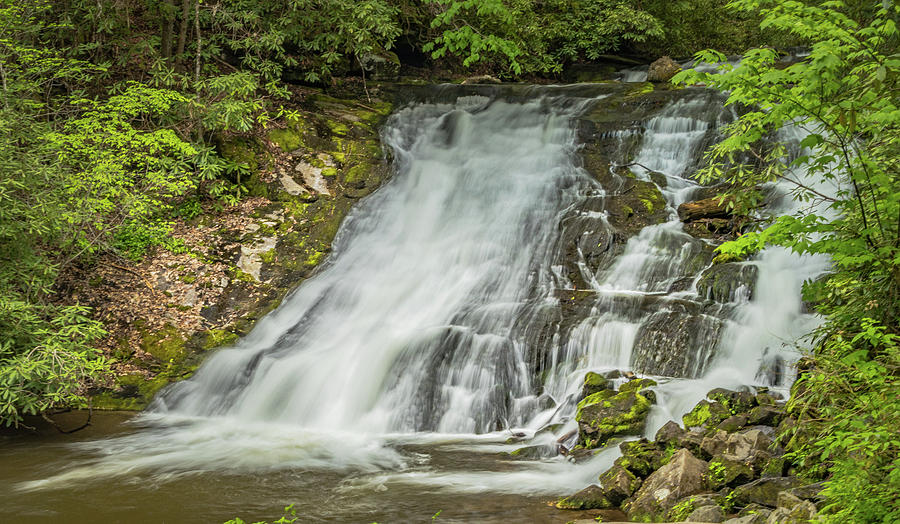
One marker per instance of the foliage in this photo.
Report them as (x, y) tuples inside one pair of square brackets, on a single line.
[(843, 99), (537, 36)]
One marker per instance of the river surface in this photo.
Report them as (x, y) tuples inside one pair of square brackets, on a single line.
[(384, 388)]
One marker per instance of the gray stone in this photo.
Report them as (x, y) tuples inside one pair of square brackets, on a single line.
[(707, 514), (662, 70), (670, 433), (684, 475), (764, 491)]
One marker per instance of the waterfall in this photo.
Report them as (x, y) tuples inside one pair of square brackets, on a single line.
[(445, 310)]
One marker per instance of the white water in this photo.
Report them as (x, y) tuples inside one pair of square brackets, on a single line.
[(416, 330)]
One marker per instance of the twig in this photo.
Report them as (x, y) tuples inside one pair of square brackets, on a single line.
[(133, 272)]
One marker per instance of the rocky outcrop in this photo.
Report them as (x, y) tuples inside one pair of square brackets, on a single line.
[(728, 282), (662, 70), (721, 468)]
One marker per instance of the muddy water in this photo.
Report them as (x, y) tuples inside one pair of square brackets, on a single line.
[(319, 496)]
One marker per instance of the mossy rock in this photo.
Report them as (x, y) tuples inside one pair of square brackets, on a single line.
[(594, 383), (607, 414), (619, 483), (706, 413), (725, 472), (287, 139), (641, 457), (591, 497), (722, 282), (735, 401)]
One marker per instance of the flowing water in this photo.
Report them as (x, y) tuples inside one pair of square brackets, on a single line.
[(385, 387)]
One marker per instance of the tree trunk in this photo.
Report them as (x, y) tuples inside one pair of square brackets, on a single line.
[(183, 29), (167, 11)]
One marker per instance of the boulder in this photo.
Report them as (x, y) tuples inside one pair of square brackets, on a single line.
[(640, 457), (725, 472), (711, 513), (535, 452), (670, 433), (765, 491), (591, 497), (736, 401), (619, 483), (594, 383), (765, 416), (662, 70), (481, 79), (706, 413), (684, 475), (732, 423), (748, 446), (608, 414), (692, 440), (756, 518), (714, 444)]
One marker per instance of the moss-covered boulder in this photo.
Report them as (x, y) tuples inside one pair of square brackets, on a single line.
[(640, 457), (619, 483), (706, 413), (727, 472), (594, 383), (591, 497), (608, 414)]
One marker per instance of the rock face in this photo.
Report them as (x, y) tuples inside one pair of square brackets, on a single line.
[(728, 282), (684, 475), (662, 70)]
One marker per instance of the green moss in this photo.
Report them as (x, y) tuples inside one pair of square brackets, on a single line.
[(287, 139), (218, 337), (698, 416), (240, 276), (357, 173), (166, 345), (636, 385), (315, 258), (724, 258), (268, 256), (188, 279), (239, 150), (329, 171), (338, 128)]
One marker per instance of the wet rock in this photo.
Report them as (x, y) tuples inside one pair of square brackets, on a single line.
[(728, 282), (732, 423), (764, 491), (666, 343), (481, 79), (670, 433), (534, 452), (706, 413), (619, 483), (714, 207), (711, 513), (684, 475), (662, 70), (640, 457), (594, 383), (801, 513), (607, 414), (735, 401), (692, 440), (591, 497)]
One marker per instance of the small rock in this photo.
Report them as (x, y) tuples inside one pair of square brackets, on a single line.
[(757, 518), (765, 416), (619, 484), (481, 79), (190, 298), (714, 444), (594, 383)]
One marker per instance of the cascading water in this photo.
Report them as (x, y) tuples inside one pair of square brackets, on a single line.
[(442, 313)]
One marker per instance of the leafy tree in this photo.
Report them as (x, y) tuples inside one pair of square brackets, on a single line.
[(845, 94)]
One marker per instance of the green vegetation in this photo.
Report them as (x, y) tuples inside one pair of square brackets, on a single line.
[(845, 94)]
